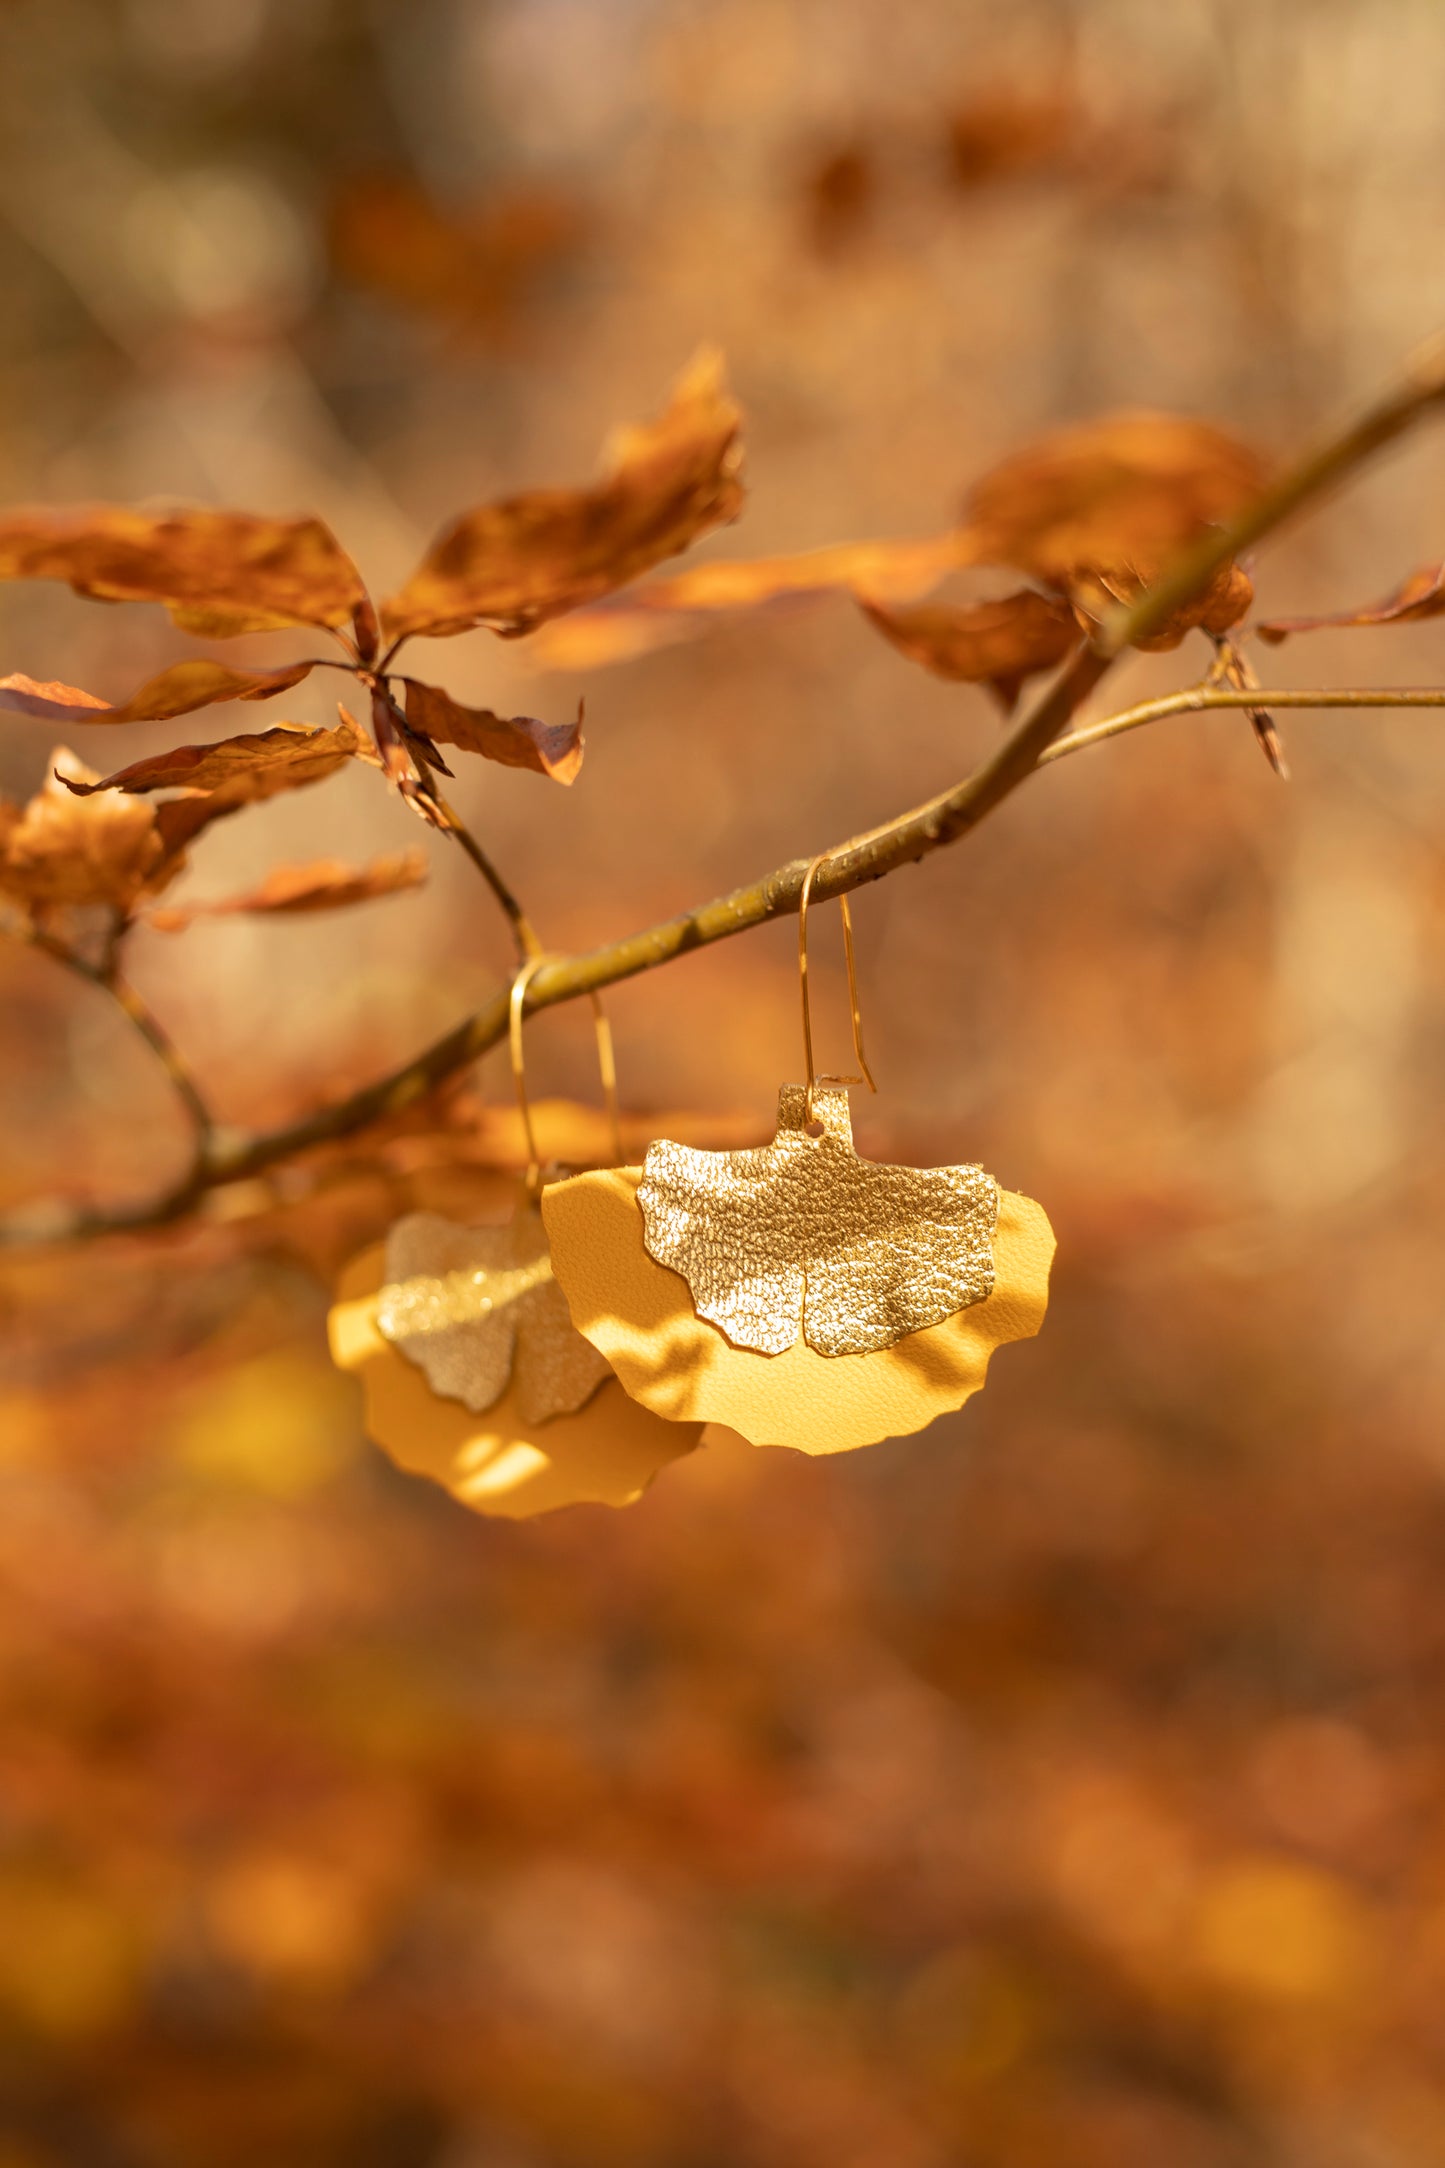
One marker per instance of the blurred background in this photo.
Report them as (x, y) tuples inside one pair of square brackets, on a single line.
[(1065, 1787)]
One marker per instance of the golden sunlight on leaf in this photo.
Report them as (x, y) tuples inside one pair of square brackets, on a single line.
[(517, 741), (322, 886), (998, 644), (253, 766), (216, 572), (179, 690), (1419, 597), (70, 850), (513, 564)]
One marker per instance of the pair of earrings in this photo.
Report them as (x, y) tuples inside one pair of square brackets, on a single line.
[(793, 1292)]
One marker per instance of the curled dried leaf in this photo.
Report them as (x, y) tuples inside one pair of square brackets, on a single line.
[(217, 573), (67, 850), (178, 690), (1223, 603), (517, 741), (513, 564), (242, 769), (1419, 597), (999, 644), (324, 885)]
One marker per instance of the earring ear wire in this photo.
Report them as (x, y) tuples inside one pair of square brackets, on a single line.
[(866, 1076), (606, 1067)]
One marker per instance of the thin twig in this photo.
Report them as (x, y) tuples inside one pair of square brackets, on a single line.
[(523, 933), (392, 731), (914, 835), (147, 1025), (1255, 696)]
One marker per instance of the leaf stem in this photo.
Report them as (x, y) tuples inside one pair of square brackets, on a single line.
[(391, 725), (523, 933)]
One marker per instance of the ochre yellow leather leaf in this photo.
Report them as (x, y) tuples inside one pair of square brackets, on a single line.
[(803, 1236), (497, 1463), (642, 1318), (475, 1307)]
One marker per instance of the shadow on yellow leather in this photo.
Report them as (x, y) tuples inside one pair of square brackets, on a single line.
[(641, 1317), (606, 1453)]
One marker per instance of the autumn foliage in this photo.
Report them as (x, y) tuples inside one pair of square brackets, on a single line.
[(1058, 1785)]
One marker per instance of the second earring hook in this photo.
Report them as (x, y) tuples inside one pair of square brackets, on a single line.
[(866, 1076), (606, 1065)]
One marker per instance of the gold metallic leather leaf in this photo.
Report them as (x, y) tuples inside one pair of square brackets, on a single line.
[(497, 1463), (641, 1317), (473, 1307), (803, 1236)]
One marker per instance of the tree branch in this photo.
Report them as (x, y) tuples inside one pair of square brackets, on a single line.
[(929, 827)]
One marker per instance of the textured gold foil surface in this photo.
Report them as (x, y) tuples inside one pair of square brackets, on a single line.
[(474, 1307), (803, 1235)]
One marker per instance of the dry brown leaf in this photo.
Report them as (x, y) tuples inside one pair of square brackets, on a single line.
[(517, 741), (217, 573), (243, 769), (513, 564), (1221, 605), (652, 614), (179, 690), (180, 820), (65, 850), (840, 191), (1097, 511), (474, 268), (323, 885), (999, 644), (1092, 512), (1419, 597), (1007, 134)]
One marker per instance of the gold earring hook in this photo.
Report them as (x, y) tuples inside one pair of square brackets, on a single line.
[(813, 1078), (606, 1065)]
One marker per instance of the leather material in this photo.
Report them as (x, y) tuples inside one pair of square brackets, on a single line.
[(641, 1317), (497, 1463)]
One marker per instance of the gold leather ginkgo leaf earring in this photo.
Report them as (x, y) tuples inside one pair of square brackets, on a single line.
[(472, 1371), (795, 1292)]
